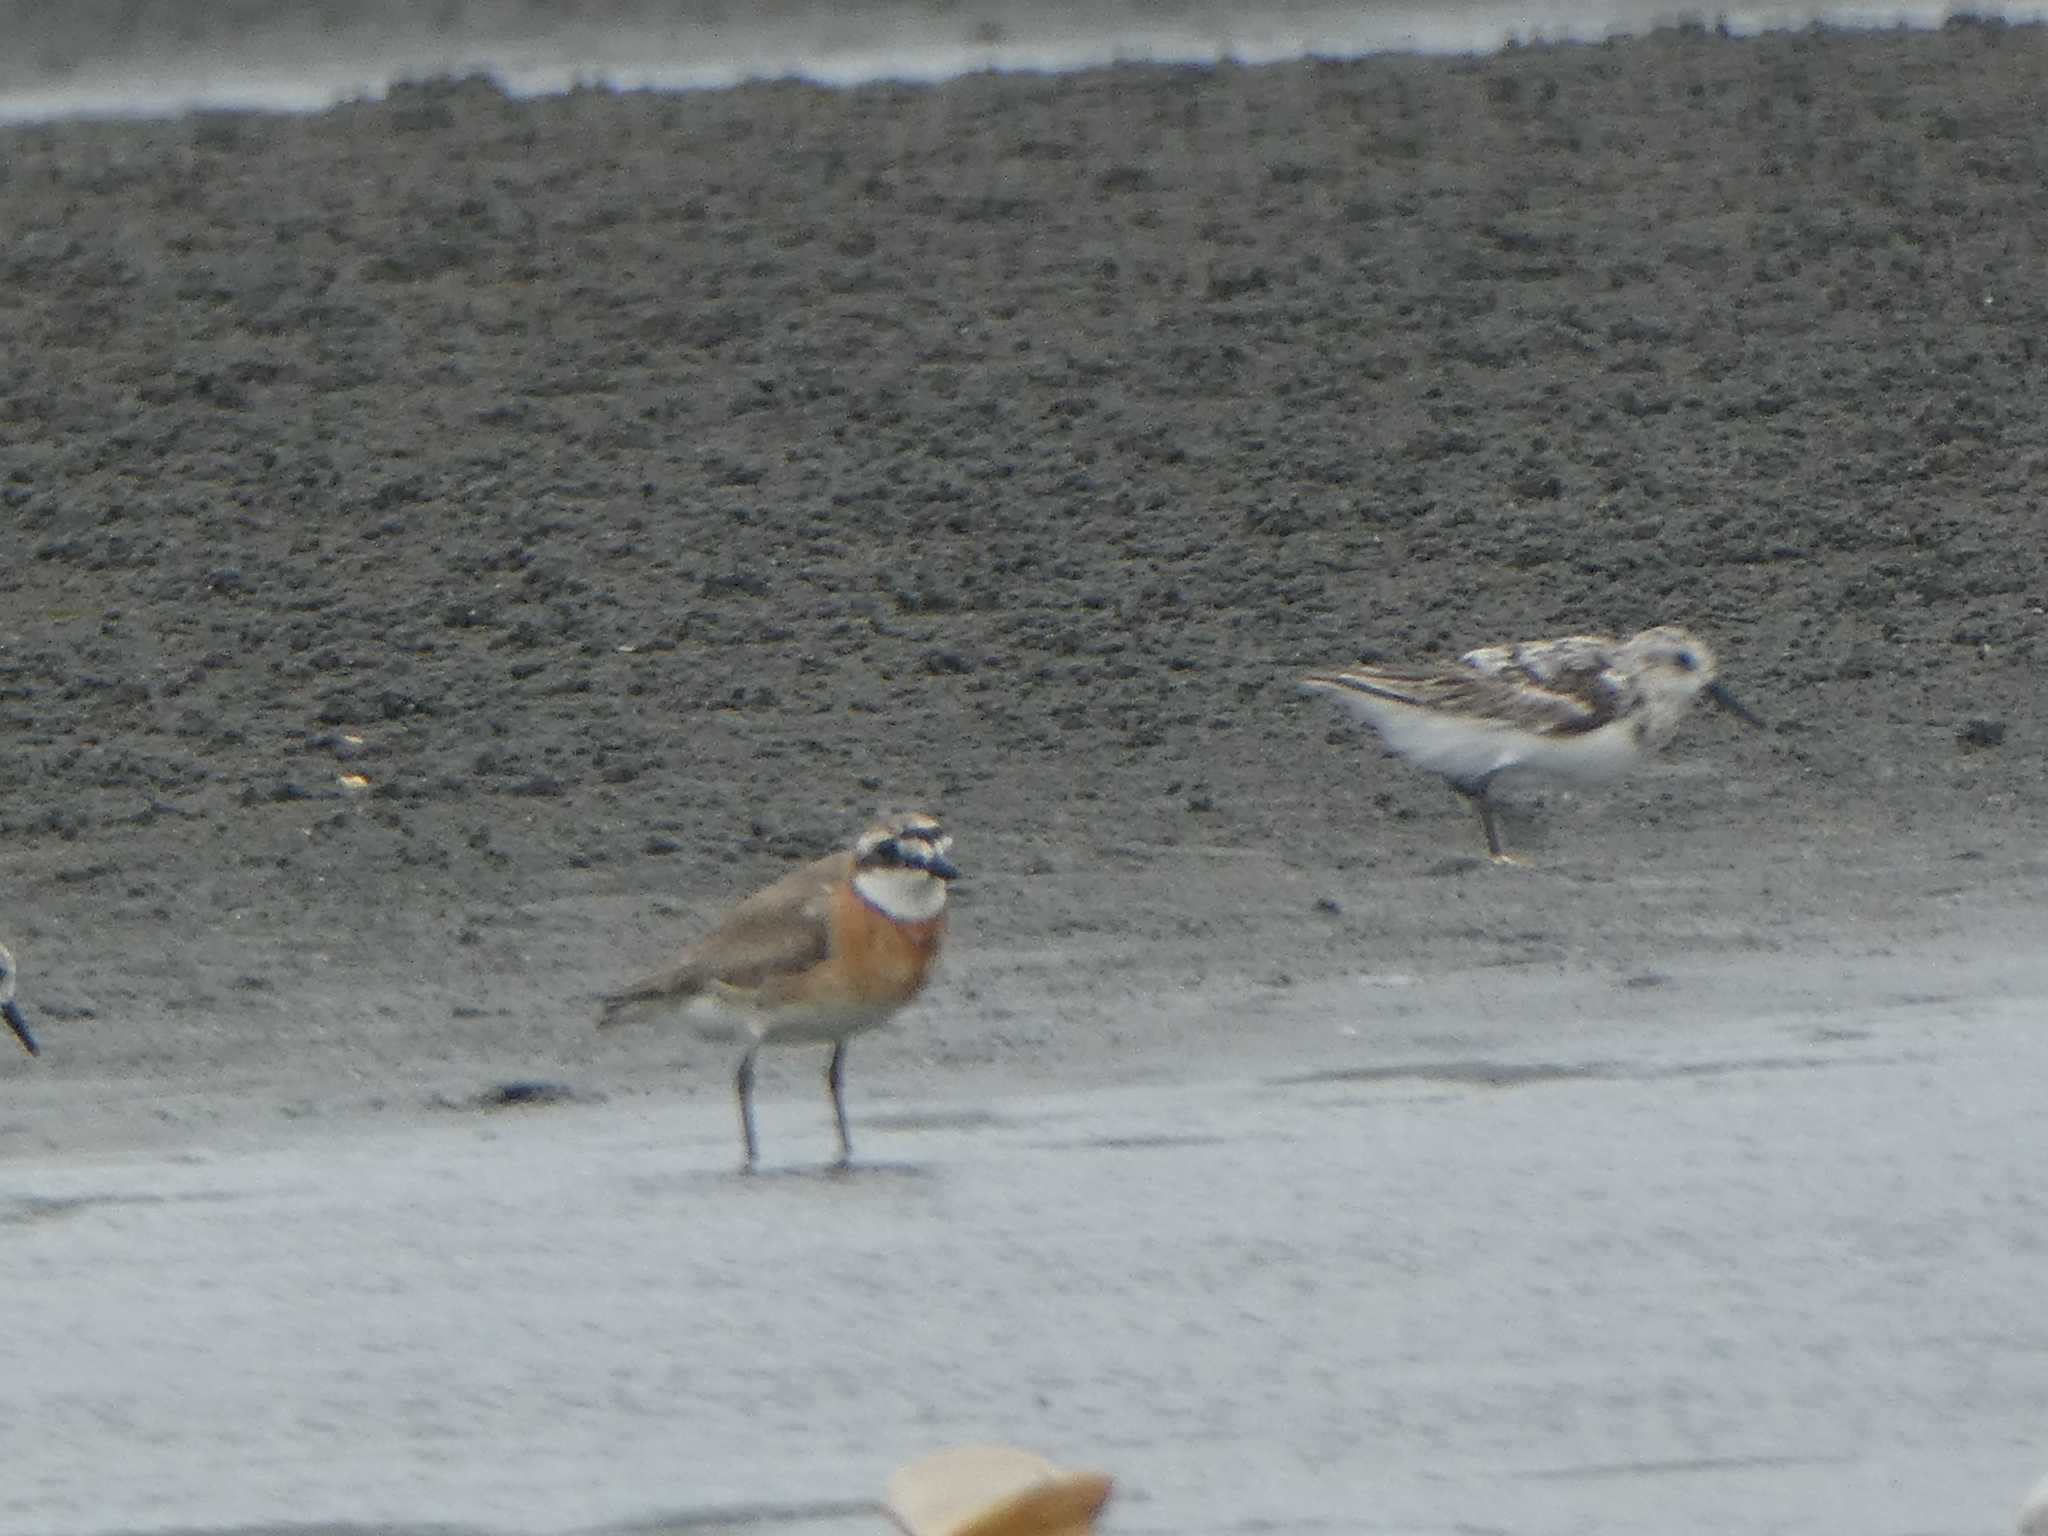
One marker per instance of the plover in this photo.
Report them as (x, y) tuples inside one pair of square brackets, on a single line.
[(1583, 707), (10, 1009), (826, 952)]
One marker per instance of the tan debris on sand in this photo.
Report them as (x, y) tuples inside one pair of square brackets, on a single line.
[(994, 1490)]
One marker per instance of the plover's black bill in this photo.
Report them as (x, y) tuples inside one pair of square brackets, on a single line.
[(19, 1025), (1718, 692)]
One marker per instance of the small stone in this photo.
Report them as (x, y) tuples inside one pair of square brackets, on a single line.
[(525, 1093)]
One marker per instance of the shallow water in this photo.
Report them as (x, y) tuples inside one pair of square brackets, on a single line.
[(149, 61), (1776, 1271)]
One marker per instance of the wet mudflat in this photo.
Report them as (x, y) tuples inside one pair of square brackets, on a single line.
[(455, 544), (1570, 1273)]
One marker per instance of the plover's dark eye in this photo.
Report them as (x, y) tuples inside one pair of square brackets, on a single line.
[(1687, 662)]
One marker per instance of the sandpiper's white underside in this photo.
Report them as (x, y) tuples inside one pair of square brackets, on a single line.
[(1469, 749)]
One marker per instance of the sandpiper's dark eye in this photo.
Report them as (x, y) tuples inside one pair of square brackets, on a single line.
[(1687, 662)]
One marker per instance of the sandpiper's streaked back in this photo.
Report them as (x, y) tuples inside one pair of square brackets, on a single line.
[(826, 952), (1581, 707)]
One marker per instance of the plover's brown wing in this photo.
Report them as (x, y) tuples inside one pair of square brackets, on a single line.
[(779, 930), (1567, 705)]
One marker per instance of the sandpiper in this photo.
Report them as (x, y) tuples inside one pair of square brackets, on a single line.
[(1582, 707)]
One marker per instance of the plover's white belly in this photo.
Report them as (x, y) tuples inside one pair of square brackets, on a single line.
[(790, 1024), (821, 1026)]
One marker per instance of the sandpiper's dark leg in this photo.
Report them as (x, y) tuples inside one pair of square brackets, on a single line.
[(1477, 794), (19, 1024), (1493, 847), (835, 1078), (744, 1083)]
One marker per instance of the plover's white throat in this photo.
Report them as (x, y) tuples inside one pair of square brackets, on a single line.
[(10, 1009), (824, 953), (1583, 707)]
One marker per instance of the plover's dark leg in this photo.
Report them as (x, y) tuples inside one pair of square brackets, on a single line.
[(743, 1083), (835, 1079)]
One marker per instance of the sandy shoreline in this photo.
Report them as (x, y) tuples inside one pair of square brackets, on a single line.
[(636, 490), (656, 484)]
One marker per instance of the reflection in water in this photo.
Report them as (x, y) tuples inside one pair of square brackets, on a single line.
[(174, 58)]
